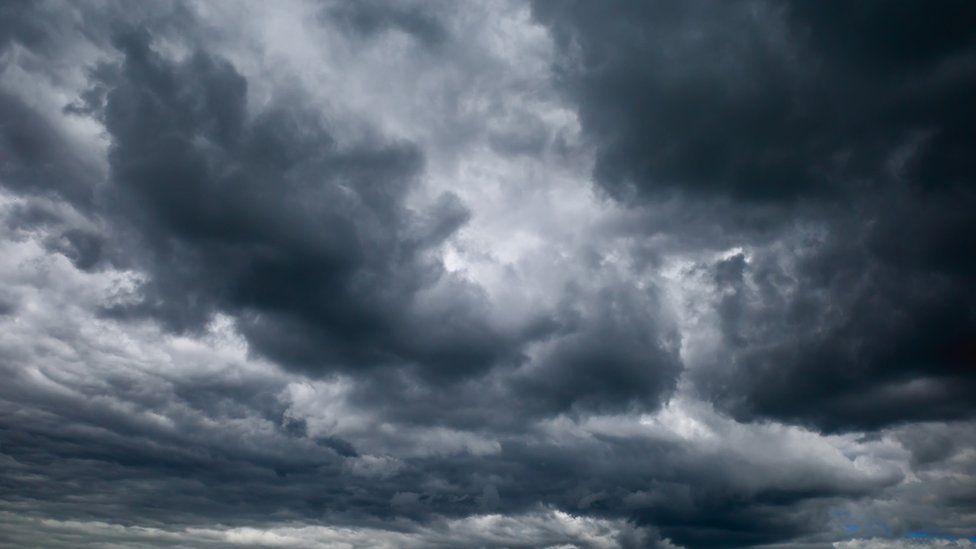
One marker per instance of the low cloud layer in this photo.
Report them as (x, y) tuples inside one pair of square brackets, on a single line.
[(508, 274)]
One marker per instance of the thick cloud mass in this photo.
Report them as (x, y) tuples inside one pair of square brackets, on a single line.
[(847, 128), (496, 274), (307, 239), (769, 101)]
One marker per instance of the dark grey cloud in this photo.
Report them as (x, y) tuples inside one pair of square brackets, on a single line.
[(333, 274), (190, 437), (766, 100), (226, 455), (841, 126), (34, 152), (371, 18), (305, 239), (615, 355), (854, 334)]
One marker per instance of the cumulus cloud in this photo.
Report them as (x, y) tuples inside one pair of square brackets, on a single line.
[(502, 274), (819, 140)]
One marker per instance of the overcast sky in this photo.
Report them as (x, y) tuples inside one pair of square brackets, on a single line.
[(487, 274)]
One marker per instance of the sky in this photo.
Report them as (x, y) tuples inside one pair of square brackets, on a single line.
[(487, 274)]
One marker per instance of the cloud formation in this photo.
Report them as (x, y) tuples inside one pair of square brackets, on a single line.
[(830, 141), (509, 274)]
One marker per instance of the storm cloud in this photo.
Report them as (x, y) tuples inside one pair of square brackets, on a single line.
[(498, 274), (846, 128)]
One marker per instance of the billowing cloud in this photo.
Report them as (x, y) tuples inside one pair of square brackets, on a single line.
[(827, 142), (501, 274)]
